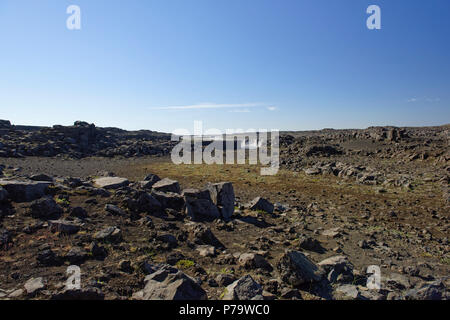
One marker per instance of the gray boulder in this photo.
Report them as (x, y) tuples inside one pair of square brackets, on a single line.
[(25, 191), (261, 204), (338, 268), (199, 205), (110, 234), (34, 285), (168, 283), (296, 269), (111, 182), (222, 195), (254, 261), (64, 226), (45, 208), (244, 288), (167, 185), (169, 200)]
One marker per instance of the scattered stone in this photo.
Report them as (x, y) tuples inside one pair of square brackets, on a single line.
[(64, 226), (110, 234), (34, 285), (169, 283), (296, 269), (76, 256), (45, 208), (261, 204), (111, 182), (244, 288), (167, 185), (114, 210), (206, 251), (254, 261), (78, 212), (225, 279)]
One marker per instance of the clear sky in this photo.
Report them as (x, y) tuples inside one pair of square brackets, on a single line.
[(287, 64)]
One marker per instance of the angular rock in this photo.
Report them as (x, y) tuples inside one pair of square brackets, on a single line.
[(114, 210), (47, 257), (169, 200), (261, 204), (34, 285), (169, 283), (225, 279), (199, 205), (64, 226), (78, 212), (222, 195), (41, 177), (110, 234), (206, 251), (111, 182), (25, 191), (167, 185), (338, 268), (244, 288), (45, 208), (76, 256), (435, 290), (254, 261), (296, 269), (349, 291), (202, 235)]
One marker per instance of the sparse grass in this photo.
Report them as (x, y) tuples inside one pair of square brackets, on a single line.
[(226, 271), (185, 264)]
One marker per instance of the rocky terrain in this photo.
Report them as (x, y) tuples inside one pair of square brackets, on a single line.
[(78, 141), (139, 227)]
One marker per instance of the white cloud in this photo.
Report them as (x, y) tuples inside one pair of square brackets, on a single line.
[(412, 100), (272, 108), (211, 106)]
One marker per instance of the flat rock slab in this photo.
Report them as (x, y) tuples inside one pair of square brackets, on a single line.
[(25, 191), (111, 182)]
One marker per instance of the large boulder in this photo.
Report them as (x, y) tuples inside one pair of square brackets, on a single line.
[(199, 205), (169, 200), (167, 185), (222, 195), (244, 288), (254, 261), (111, 182), (144, 202), (169, 283), (3, 195), (25, 191), (261, 204), (45, 208), (296, 269), (338, 269)]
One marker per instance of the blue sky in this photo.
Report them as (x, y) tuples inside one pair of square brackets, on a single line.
[(161, 64)]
